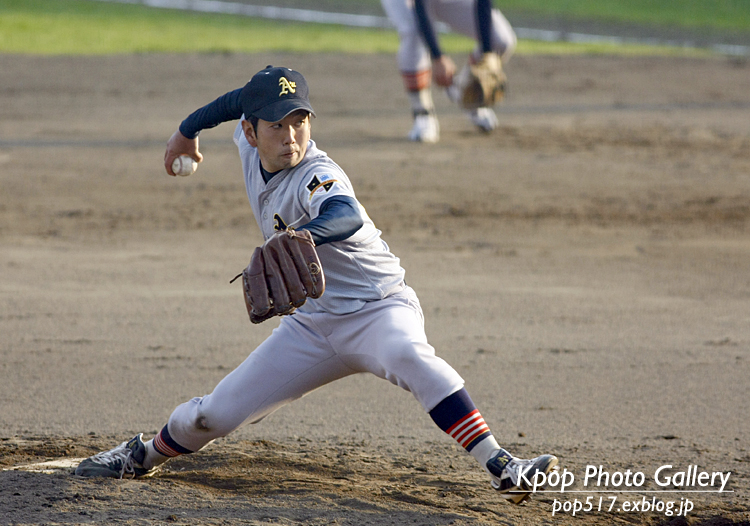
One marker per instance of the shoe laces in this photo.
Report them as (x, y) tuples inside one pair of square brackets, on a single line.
[(119, 458)]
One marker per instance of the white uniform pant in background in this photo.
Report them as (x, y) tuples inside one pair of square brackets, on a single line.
[(385, 338), (459, 15)]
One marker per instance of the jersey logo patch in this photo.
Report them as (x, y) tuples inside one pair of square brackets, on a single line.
[(320, 184), (286, 86), (278, 223)]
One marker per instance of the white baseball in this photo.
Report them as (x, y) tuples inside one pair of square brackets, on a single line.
[(184, 165)]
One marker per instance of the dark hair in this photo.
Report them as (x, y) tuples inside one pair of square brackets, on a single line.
[(252, 119)]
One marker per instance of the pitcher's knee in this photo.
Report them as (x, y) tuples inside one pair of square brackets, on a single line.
[(412, 357), (195, 423), (201, 424), (214, 425)]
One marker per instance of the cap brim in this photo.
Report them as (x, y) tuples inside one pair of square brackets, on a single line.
[(278, 110)]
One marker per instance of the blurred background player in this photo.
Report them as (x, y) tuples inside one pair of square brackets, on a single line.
[(420, 59)]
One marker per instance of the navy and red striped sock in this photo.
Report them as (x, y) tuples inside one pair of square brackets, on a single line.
[(166, 446), (459, 417)]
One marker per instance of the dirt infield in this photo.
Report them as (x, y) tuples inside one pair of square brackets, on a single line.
[(586, 268)]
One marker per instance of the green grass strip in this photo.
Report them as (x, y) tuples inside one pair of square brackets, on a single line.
[(81, 27), (73, 27), (713, 14)]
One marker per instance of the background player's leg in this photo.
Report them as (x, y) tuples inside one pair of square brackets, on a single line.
[(461, 17), (416, 72)]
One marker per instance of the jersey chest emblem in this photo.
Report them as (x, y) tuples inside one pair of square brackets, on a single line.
[(320, 184), (278, 223)]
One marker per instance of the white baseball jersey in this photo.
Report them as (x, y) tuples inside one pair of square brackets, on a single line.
[(358, 269)]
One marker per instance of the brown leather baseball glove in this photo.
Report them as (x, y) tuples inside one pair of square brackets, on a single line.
[(282, 274), (481, 84)]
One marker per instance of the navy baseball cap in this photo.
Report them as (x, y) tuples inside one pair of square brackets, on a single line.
[(273, 93)]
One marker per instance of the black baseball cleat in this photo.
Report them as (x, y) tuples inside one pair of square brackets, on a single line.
[(514, 477), (124, 461)]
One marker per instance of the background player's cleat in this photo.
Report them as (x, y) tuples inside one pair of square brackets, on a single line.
[(484, 118), (123, 461), (426, 128), (506, 474)]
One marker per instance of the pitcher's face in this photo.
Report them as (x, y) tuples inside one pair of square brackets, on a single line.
[(281, 144)]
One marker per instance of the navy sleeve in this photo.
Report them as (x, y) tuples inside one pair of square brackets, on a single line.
[(338, 219), (225, 108), (484, 24), (426, 30)]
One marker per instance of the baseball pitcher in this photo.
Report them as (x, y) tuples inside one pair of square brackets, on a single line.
[(340, 293)]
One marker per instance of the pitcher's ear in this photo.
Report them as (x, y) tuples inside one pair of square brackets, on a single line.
[(247, 128)]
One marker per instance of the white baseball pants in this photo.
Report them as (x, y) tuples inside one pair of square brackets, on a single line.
[(459, 15), (385, 338)]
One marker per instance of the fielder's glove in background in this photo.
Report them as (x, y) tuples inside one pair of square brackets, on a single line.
[(481, 84), (282, 274)]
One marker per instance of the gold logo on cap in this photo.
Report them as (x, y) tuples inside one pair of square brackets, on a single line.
[(286, 86)]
